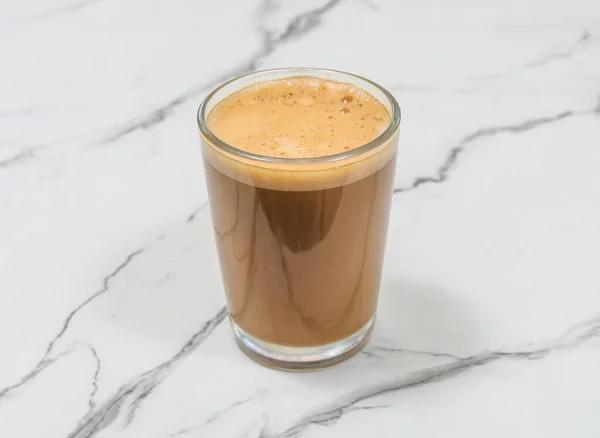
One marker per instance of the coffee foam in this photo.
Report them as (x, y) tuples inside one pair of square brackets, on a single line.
[(299, 118)]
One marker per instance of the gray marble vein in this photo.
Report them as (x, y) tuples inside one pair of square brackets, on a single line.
[(325, 419), (518, 128), (379, 352), (41, 365), (48, 358), (98, 367), (193, 215), (22, 155), (576, 336), (298, 26), (211, 419), (143, 385), (579, 45), (582, 43)]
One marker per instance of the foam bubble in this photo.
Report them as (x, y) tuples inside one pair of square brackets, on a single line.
[(284, 118)]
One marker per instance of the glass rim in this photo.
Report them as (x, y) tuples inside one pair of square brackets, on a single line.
[(387, 134)]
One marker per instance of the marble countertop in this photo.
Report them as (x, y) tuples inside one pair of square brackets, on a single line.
[(111, 306)]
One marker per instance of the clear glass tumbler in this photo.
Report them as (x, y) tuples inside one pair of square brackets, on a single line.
[(301, 240)]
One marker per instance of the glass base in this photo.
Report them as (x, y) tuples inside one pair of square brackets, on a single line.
[(302, 358)]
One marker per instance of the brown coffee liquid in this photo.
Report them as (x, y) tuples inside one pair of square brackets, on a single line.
[(300, 245)]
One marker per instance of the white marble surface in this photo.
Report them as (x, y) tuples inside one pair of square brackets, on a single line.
[(111, 307)]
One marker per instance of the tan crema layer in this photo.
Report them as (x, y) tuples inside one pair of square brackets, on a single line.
[(300, 117)]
